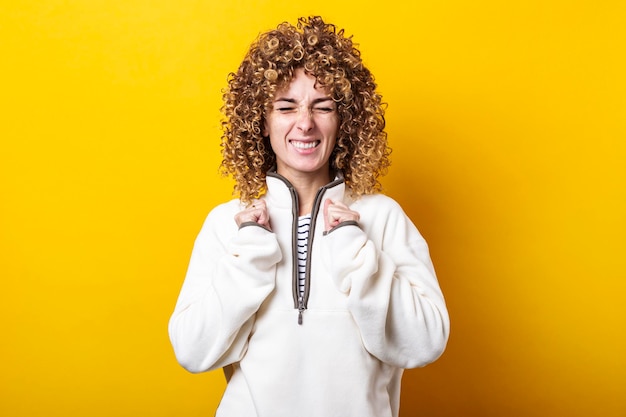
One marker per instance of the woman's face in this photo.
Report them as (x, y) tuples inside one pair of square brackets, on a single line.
[(302, 126)]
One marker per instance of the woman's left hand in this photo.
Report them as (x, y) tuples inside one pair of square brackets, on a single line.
[(336, 213)]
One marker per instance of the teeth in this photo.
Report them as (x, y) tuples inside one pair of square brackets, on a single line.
[(304, 145)]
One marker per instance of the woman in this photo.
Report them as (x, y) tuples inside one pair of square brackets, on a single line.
[(312, 290)]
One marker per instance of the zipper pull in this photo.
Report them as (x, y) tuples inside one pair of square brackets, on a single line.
[(300, 309)]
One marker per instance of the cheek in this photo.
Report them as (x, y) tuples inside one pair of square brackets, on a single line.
[(332, 144), (333, 130), (275, 144), (275, 127)]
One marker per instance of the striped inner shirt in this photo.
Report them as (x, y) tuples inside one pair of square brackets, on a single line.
[(304, 224)]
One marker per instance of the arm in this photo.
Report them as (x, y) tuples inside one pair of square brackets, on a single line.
[(226, 282), (392, 290)]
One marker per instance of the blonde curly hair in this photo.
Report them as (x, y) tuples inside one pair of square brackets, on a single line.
[(361, 152)]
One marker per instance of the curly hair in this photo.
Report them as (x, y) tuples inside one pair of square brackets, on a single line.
[(361, 152)]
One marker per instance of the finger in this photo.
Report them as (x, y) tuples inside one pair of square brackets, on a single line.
[(263, 217), (257, 204), (261, 213), (327, 204), (341, 213), (340, 205), (334, 215), (255, 212)]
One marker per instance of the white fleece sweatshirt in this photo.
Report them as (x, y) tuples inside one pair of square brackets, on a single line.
[(372, 308)]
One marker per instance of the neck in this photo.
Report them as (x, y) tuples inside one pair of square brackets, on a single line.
[(307, 186)]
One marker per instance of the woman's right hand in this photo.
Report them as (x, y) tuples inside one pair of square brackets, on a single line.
[(255, 212)]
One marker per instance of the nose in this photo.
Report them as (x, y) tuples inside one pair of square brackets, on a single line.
[(305, 120)]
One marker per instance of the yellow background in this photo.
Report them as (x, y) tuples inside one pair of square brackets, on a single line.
[(508, 124)]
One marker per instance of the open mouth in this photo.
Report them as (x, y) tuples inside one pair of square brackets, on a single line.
[(304, 145)]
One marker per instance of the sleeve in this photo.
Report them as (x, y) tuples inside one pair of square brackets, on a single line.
[(393, 293), (226, 282)]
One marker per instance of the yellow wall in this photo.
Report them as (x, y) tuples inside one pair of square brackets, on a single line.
[(508, 123)]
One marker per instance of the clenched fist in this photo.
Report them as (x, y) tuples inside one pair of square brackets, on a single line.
[(337, 212), (256, 212)]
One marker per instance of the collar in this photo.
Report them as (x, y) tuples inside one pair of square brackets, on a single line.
[(281, 193)]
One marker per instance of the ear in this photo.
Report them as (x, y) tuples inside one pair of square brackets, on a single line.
[(265, 131)]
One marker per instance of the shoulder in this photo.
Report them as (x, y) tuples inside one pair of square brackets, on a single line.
[(377, 203), (382, 214)]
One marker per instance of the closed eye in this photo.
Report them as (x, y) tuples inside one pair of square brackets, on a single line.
[(323, 109), (286, 109)]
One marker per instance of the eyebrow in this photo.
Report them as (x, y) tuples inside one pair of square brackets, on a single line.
[(294, 101)]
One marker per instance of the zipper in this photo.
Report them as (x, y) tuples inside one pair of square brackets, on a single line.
[(303, 299), (298, 300), (301, 308)]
